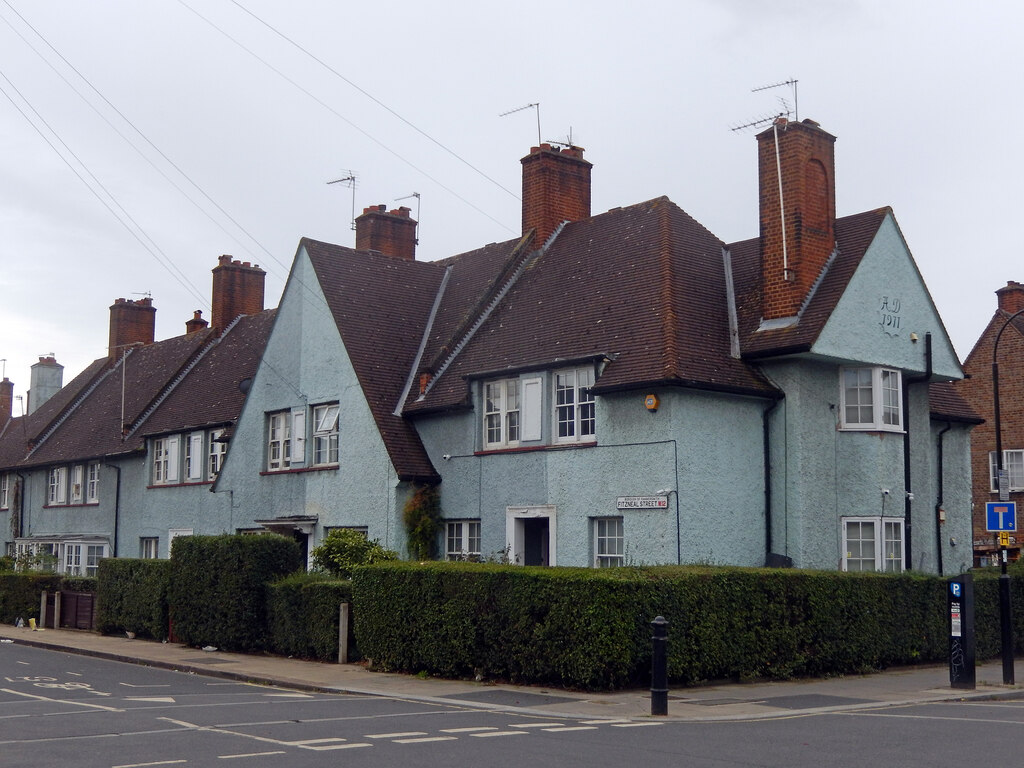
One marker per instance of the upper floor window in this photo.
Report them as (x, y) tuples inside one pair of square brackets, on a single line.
[(873, 544), (195, 456), (870, 398), (5, 491), (165, 460), (501, 413), (57, 486), (574, 406), (92, 483), (462, 540), (1013, 463), (279, 441), (325, 434), (77, 483), (215, 458)]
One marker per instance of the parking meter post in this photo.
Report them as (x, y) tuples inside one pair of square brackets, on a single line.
[(960, 610), (659, 666)]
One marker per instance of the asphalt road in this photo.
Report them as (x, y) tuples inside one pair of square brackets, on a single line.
[(59, 709)]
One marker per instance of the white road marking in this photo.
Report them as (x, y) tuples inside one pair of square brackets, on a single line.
[(469, 730), (534, 725), (252, 754), (154, 685), (155, 699), (144, 765), (288, 695), (353, 745), (565, 728), (929, 717), (399, 735), (602, 722), (425, 739), (501, 733), (60, 701), (74, 674), (310, 742), (632, 725)]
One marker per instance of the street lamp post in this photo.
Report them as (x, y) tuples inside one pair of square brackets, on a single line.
[(1005, 608)]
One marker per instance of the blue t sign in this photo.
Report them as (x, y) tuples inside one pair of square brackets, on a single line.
[(1000, 516)]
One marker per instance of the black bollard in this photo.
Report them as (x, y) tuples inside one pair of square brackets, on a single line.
[(659, 666)]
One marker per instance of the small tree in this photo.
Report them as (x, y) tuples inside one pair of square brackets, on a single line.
[(345, 548)]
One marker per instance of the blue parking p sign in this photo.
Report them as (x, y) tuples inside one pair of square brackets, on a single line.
[(1000, 516)]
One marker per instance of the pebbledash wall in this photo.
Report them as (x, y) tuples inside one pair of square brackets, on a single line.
[(696, 444), (305, 363)]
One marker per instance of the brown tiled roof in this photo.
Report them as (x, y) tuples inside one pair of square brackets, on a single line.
[(211, 394), (93, 428), (946, 404), (853, 236), (644, 285), (381, 305)]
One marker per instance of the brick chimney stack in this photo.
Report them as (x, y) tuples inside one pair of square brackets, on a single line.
[(131, 322), (393, 233), (237, 290), (1011, 297), (793, 258), (6, 401), (556, 188), (47, 378), (196, 323)]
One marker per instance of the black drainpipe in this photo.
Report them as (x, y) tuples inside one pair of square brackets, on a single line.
[(766, 448), (938, 495), (117, 506), (21, 507), (907, 523)]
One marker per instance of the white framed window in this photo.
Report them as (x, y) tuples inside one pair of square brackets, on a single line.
[(92, 483), (165, 460), (609, 542), (174, 533), (871, 398), (77, 483), (194, 457), (325, 434), (1013, 463), (574, 406), (501, 413), (462, 540), (57, 486), (83, 559), (215, 457), (279, 441), (5, 491), (873, 544), (149, 547)]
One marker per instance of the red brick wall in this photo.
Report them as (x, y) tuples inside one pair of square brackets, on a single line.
[(556, 188), (978, 391), (237, 290), (1011, 298), (807, 160), (392, 233), (131, 322), (6, 400)]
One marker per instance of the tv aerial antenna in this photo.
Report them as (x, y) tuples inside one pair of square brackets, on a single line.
[(417, 196), (567, 143), (785, 111), (349, 180), (535, 106)]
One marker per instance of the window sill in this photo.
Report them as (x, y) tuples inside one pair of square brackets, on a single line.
[(298, 470), (75, 505), (179, 485), (532, 448), (875, 430)]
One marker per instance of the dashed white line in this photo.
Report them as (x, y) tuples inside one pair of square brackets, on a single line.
[(565, 728), (534, 725), (500, 733), (252, 754), (469, 730), (400, 735), (146, 765), (632, 725), (426, 739), (326, 747)]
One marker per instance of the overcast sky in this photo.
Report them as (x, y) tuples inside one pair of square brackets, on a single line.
[(213, 126)]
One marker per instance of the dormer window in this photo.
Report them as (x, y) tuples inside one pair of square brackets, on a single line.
[(574, 406), (501, 413), (871, 398)]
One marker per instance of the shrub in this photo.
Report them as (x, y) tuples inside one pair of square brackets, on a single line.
[(302, 616), (344, 548), (217, 593), (422, 517), (20, 594), (132, 596)]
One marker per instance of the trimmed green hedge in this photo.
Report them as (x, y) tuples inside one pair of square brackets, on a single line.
[(20, 594), (302, 616), (217, 593), (132, 596), (590, 629)]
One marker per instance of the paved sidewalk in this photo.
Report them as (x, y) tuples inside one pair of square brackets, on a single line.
[(704, 703)]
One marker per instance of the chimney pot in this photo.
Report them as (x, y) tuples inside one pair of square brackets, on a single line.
[(238, 289), (556, 188), (1011, 297), (131, 322), (393, 234), (6, 401)]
